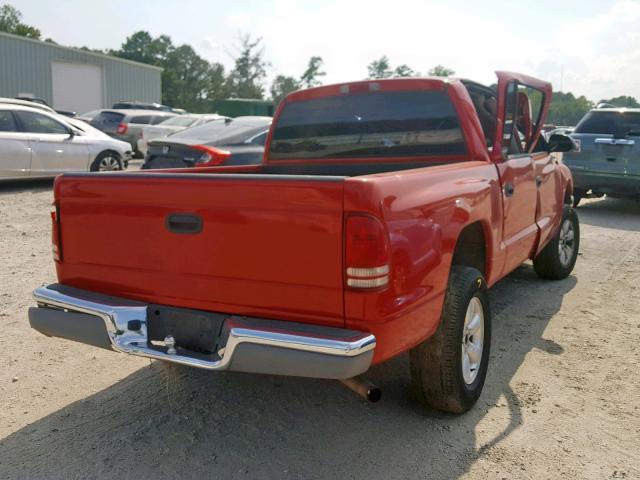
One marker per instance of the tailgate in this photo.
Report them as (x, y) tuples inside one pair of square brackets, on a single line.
[(270, 246)]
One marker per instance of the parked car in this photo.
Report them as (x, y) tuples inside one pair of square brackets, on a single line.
[(558, 131), (88, 116), (171, 126), (27, 103), (141, 106), (375, 226), (126, 125), (607, 155), (227, 141), (41, 101), (37, 144)]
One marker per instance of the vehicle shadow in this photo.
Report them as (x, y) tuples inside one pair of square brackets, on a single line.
[(614, 213), (20, 186), (169, 422)]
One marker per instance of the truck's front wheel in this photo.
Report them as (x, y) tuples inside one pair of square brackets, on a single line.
[(449, 369), (557, 259)]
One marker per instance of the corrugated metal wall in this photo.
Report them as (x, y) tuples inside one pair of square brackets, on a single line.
[(25, 67)]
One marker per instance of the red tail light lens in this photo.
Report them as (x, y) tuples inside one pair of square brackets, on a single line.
[(366, 252), (122, 128), (211, 155), (56, 246)]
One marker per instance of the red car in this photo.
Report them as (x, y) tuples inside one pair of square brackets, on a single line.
[(382, 214)]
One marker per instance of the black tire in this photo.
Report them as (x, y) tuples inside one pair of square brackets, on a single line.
[(550, 262), (103, 157), (436, 364)]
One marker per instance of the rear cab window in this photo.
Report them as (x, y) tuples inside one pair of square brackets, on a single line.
[(609, 123), (375, 124)]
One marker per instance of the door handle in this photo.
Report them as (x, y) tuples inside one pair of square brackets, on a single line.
[(509, 189), (538, 181), (182, 223)]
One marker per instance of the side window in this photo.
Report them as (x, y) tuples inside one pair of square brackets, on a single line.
[(141, 119), (523, 113), (7, 122), (37, 123)]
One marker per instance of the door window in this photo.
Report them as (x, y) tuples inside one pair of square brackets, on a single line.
[(37, 123), (522, 116), (141, 119), (7, 122)]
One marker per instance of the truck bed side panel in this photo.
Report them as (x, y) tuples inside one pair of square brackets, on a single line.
[(424, 215)]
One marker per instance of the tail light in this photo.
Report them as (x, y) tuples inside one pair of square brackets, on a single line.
[(211, 155), (366, 252), (122, 128), (56, 245)]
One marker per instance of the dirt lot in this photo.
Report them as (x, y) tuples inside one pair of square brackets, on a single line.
[(562, 398)]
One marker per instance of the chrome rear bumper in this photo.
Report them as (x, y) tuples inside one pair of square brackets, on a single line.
[(246, 344)]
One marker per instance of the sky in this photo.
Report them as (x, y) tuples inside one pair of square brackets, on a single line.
[(588, 47)]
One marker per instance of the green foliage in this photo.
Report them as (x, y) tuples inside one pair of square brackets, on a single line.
[(282, 86), (566, 109), (10, 22), (379, 68), (188, 80), (622, 101), (441, 71), (404, 70), (310, 76), (246, 80)]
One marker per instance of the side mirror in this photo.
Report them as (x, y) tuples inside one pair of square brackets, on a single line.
[(560, 143)]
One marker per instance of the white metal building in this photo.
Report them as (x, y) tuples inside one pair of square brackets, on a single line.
[(73, 79)]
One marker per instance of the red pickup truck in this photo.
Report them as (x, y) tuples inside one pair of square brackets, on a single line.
[(382, 213)]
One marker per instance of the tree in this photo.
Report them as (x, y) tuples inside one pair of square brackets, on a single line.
[(310, 76), (566, 109), (142, 47), (622, 101), (282, 86), (10, 22), (187, 77), (379, 68), (404, 70), (216, 84), (246, 80), (441, 71)]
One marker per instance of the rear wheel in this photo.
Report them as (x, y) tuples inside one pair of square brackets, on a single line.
[(449, 369), (106, 162), (557, 259)]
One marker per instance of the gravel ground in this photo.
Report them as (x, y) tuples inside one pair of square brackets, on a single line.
[(561, 400)]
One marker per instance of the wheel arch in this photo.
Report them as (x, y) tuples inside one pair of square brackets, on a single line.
[(105, 151), (472, 248)]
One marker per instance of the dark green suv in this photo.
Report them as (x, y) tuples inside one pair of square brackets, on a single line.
[(607, 155)]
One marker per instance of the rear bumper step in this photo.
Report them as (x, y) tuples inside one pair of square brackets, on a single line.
[(245, 344)]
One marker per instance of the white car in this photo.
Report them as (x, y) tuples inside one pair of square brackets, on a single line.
[(38, 144), (173, 125)]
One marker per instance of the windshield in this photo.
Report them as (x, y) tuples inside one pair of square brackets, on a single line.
[(221, 132), (612, 123), (363, 125), (180, 121)]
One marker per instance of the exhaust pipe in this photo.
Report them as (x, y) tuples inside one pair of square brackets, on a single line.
[(363, 387)]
